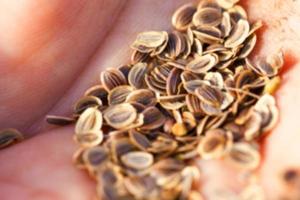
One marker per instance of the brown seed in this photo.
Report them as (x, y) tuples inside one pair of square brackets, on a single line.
[(172, 102), (142, 96), (225, 25), (139, 140), (118, 94), (237, 12), (238, 35), (244, 155), (85, 102), (173, 82), (59, 120), (112, 78), (137, 74), (90, 119), (94, 157), (153, 118), (193, 103), (141, 187), (183, 16), (97, 91), (192, 85), (137, 160), (137, 57), (120, 116), (210, 95), (155, 85), (202, 64), (208, 34), (207, 17), (120, 147), (249, 45), (9, 137)]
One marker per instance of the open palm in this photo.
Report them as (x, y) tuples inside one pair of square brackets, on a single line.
[(51, 51)]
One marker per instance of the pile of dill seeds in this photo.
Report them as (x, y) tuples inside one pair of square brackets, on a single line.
[(188, 94)]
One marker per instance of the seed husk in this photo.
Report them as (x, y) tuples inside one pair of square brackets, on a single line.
[(89, 138), (86, 102), (238, 35), (9, 137), (173, 82), (139, 140), (208, 34), (183, 16), (99, 92), (137, 160), (146, 41), (94, 157), (210, 95)]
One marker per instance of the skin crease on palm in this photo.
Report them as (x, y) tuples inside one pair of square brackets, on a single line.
[(51, 51)]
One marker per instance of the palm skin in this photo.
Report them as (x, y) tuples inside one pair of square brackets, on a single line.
[(51, 51)]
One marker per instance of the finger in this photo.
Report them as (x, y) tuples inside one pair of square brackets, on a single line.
[(44, 46), (41, 168)]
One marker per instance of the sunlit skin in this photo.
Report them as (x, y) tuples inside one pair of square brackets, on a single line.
[(51, 51)]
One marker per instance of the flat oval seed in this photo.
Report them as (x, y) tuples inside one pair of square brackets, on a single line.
[(90, 119), (9, 137), (95, 156), (183, 16), (85, 102), (120, 116), (210, 95), (137, 160), (59, 120), (142, 96), (112, 78), (150, 39), (226, 4), (202, 64), (207, 17), (139, 140), (244, 155), (153, 118), (118, 94), (89, 138), (173, 81), (137, 74), (238, 35)]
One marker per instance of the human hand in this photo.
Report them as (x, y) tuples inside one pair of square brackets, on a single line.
[(52, 51)]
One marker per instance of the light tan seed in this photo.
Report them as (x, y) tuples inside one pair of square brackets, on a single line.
[(226, 4), (111, 78), (272, 85), (155, 85), (210, 109), (150, 39), (90, 119), (59, 120), (89, 138), (183, 16), (118, 94), (179, 129), (238, 35), (120, 116), (153, 118), (244, 155), (142, 96), (192, 85), (202, 64), (137, 74), (193, 103), (207, 17), (137, 160), (225, 25), (9, 137), (85, 102), (137, 57), (213, 145)]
